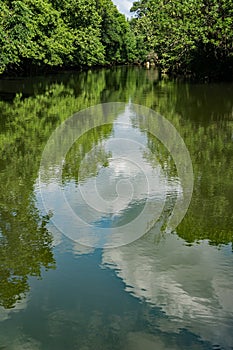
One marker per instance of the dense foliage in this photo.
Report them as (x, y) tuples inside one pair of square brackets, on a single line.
[(38, 33), (183, 37), (187, 36)]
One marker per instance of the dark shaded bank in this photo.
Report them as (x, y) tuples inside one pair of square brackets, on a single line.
[(48, 71)]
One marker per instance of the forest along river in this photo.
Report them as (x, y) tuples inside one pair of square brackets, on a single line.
[(165, 289)]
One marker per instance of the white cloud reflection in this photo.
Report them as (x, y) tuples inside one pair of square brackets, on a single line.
[(192, 286)]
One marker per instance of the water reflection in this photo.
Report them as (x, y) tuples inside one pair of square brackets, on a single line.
[(117, 194), (192, 286), (158, 292), (25, 243), (26, 123)]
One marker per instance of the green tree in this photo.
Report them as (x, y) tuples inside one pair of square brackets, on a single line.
[(188, 36), (118, 39), (34, 34), (76, 33)]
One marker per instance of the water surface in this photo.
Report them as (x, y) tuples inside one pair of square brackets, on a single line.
[(162, 291)]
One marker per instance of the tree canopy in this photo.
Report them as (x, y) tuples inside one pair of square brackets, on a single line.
[(187, 36), (80, 33)]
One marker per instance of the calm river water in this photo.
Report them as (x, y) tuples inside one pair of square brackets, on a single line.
[(87, 259)]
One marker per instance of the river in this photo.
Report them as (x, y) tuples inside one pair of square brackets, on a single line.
[(116, 212)]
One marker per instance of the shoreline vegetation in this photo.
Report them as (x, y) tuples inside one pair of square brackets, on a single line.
[(184, 38)]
